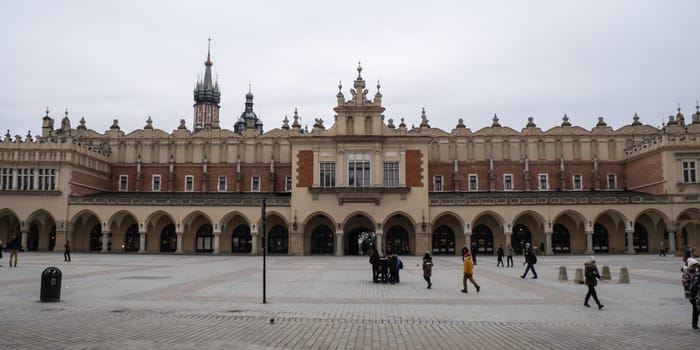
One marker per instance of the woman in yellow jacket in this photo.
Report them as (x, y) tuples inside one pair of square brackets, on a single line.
[(468, 272)]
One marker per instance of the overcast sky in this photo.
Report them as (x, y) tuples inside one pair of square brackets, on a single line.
[(128, 60)]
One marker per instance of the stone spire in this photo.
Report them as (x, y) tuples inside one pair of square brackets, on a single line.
[(206, 98)]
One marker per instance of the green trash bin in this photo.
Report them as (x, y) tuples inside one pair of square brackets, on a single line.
[(51, 284)]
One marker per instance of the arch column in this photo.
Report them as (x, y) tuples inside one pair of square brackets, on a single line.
[(589, 242), (254, 247), (548, 243), (630, 241), (380, 242), (508, 238), (179, 242), (339, 249), (217, 237), (105, 241), (23, 238), (142, 241), (467, 239), (672, 243)]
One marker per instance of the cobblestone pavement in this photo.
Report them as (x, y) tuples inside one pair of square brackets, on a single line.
[(125, 301)]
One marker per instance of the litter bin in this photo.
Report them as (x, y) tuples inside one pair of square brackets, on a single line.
[(51, 284)]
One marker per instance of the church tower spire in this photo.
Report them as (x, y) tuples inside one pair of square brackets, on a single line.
[(206, 98)]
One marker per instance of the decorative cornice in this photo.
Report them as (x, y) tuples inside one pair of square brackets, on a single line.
[(182, 199), (545, 198)]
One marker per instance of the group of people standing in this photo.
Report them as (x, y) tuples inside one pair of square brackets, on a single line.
[(385, 269)]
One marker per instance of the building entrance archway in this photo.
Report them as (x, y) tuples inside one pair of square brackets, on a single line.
[(600, 239), (483, 238), (322, 240), (168, 239), (205, 239), (521, 236), (397, 241), (359, 240), (444, 241), (96, 238), (241, 240), (132, 241), (561, 240), (640, 239), (278, 240)]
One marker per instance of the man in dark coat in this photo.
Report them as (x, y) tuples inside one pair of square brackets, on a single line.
[(530, 260)]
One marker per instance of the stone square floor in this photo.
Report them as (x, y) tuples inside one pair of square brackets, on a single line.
[(135, 301)]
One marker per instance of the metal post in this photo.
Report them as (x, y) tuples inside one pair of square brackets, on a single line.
[(264, 246)]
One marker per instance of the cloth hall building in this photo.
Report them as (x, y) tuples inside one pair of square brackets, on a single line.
[(332, 188)]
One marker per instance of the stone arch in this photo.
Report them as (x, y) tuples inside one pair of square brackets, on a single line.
[(158, 233), (350, 125), (277, 228), (435, 151), (368, 125), (86, 226), (9, 224), (530, 225), (447, 233), (41, 227), (487, 231), (276, 152), (236, 233), (197, 232), (574, 223), (358, 227), (613, 223), (399, 234), (687, 228), (655, 224), (118, 224), (319, 234)]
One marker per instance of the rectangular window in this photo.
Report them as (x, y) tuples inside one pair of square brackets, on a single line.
[(255, 184), (358, 170), (612, 182), (222, 183), (473, 182), (123, 183), (437, 183), (189, 183), (25, 179), (689, 171), (507, 182), (6, 176), (155, 185), (577, 182), (544, 182), (391, 174), (47, 180), (288, 184), (327, 174)]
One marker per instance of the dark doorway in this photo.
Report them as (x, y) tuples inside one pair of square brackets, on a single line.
[(278, 240), (640, 239), (205, 239), (600, 239), (52, 238), (397, 241), (168, 239), (322, 240), (359, 240), (483, 237), (444, 241), (241, 240), (132, 241), (561, 241), (521, 236), (33, 238), (96, 238)]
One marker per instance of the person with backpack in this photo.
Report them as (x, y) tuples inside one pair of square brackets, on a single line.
[(427, 268), (592, 276), (530, 260), (691, 285)]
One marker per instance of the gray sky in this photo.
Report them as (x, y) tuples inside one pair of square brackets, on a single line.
[(133, 59)]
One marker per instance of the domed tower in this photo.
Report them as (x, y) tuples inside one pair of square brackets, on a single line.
[(206, 99), (248, 119)]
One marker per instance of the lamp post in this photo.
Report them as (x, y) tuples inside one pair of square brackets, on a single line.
[(264, 244)]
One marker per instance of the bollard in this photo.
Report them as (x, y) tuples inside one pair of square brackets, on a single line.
[(624, 275), (578, 278), (50, 285), (562, 274), (606, 273)]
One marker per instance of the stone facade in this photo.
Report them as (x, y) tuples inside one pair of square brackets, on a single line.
[(332, 190)]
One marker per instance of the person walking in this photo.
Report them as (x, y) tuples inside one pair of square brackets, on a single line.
[(427, 268), (500, 253), (530, 260), (475, 249), (509, 256), (662, 249), (15, 245), (691, 284), (374, 261), (592, 276), (66, 251), (469, 273)]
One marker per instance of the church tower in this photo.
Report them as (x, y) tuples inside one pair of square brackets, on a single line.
[(206, 99)]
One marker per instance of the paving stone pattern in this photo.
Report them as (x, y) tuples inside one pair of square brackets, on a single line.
[(125, 301)]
